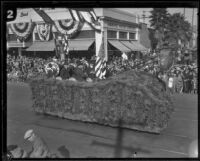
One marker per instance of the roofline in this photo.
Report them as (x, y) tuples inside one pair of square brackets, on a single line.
[(123, 12), (122, 21)]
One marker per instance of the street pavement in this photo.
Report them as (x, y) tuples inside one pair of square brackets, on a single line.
[(75, 139)]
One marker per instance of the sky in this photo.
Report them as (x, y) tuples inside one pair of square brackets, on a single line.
[(188, 13)]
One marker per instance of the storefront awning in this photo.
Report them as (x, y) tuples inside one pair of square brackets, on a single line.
[(134, 46), (129, 45), (119, 45), (42, 46), (17, 45), (139, 46), (79, 44)]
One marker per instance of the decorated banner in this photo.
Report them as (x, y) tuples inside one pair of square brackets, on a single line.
[(22, 30), (44, 31)]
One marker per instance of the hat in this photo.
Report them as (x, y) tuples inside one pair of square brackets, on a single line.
[(28, 134)]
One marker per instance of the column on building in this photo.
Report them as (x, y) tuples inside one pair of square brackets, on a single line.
[(99, 37)]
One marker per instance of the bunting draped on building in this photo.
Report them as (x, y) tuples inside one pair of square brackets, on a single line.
[(22, 30), (88, 15), (60, 39), (69, 30), (44, 31), (66, 24)]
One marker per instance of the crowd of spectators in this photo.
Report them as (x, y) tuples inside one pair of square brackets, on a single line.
[(180, 78), (21, 68)]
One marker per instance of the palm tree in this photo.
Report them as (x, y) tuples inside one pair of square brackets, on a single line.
[(158, 20), (178, 29)]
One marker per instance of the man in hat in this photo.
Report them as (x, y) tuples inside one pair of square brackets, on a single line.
[(39, 148)]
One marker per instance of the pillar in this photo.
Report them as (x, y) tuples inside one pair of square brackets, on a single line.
[(20, 51), (101, 39)]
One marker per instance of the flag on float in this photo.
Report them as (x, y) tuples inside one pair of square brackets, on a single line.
[(66, 44), (100, 68), (100, 63)]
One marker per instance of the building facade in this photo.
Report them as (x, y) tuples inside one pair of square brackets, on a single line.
[(120, 33)]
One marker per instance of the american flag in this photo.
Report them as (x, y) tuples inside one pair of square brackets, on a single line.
[(100, 63), (100, 68)]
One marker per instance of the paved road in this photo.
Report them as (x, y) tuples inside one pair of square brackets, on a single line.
[(75, 139)]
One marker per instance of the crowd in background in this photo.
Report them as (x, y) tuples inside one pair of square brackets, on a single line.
[(181, 78), (20, 68)]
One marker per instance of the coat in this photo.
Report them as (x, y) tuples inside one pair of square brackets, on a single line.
[(40, 149)]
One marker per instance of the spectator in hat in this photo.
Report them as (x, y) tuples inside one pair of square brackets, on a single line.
[(190, 79), (171, 84), (187, 57), (39, 147)]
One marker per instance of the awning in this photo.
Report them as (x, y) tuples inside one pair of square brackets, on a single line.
[(129, 45), (42, 46), (79, 44), (17, 45), (119, 45), (139, 46), (134, 46)]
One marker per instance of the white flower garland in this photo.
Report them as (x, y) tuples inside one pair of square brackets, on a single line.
[(54, 67)]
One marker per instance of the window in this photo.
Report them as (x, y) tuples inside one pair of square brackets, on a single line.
[(85, 34), (112, 34), (132, 36), (123, 35), (37, 38)]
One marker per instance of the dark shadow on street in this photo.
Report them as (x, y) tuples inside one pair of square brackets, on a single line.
[(129, 149), (64, 152), (71, 130)]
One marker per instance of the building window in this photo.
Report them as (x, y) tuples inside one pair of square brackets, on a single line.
[(37, 38), (123, 35), (11, 37), (112, 34), (132, 36)]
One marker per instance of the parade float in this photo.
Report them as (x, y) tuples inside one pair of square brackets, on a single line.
[(138, 99)]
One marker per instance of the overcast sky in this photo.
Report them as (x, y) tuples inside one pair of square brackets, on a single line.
[(188, 13)]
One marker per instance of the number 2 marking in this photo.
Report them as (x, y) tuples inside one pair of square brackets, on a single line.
[(10, 14)]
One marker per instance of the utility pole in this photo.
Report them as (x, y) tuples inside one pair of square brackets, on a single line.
[(184, 12), (192, 18), (192, 25), (143, 15)]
